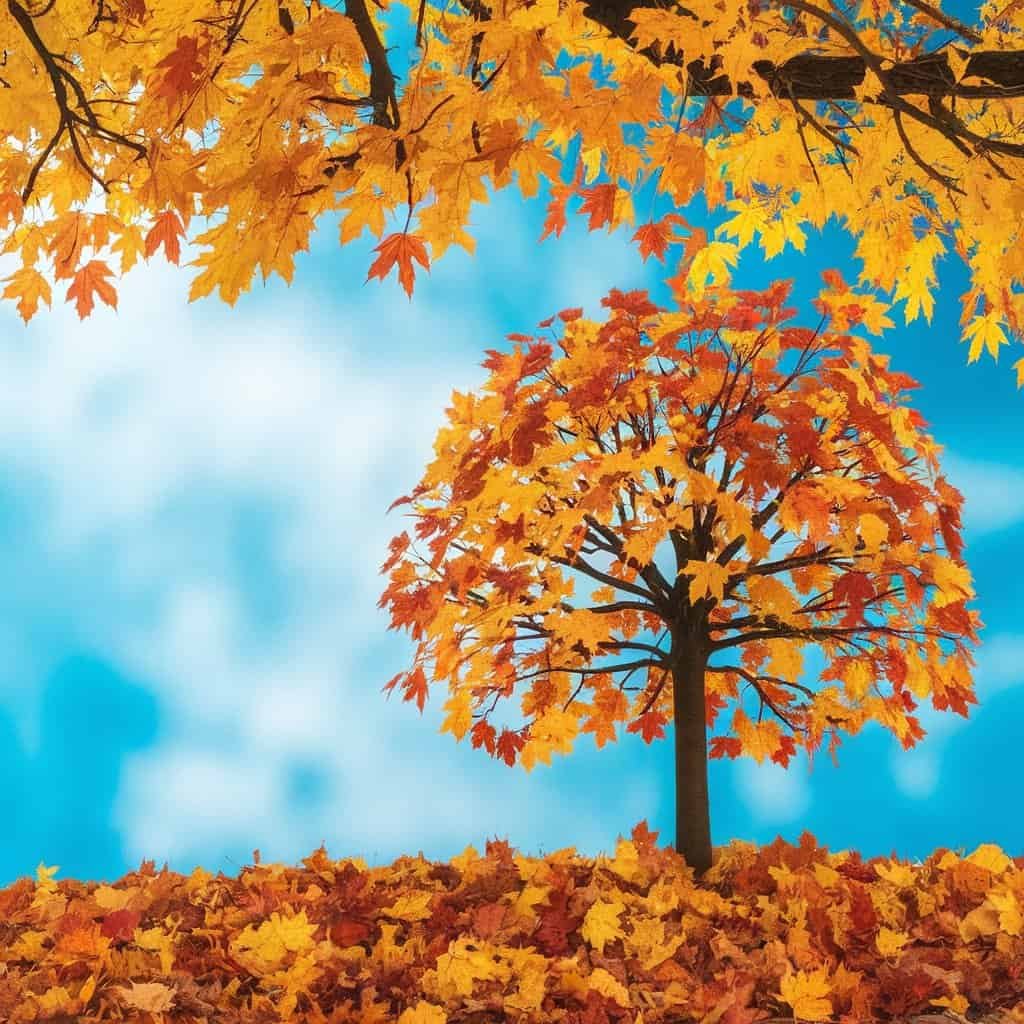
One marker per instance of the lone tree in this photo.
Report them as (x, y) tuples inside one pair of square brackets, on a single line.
[(610, 451), (893, 115)]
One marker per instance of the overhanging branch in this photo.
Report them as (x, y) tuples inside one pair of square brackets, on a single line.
[(817, 77)]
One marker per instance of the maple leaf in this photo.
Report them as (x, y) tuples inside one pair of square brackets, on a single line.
[(654, 236), (185, 68), (712, 259), (402, 249), (166, 231), (90, 280), (985, 332), (364, 210), (599, 202), (807, 994), (11, 207), (707, 578), (28, 286)]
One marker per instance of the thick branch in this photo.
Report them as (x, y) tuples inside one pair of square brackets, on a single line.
[(811, 76)]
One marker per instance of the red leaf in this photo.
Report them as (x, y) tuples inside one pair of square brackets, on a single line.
[(508, 744), (853, 588), (649, 725), (725, 746)]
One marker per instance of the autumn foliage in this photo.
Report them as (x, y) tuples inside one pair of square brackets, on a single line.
[(261, 116), (795, 506), (772, 934)]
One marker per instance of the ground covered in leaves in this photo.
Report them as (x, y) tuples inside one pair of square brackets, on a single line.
[(778, 932)]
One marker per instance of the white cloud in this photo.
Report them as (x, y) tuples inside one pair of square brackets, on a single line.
[(991, 492), (916, 771), (772, 794)]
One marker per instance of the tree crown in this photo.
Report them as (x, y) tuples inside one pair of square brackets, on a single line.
[(609, 451)]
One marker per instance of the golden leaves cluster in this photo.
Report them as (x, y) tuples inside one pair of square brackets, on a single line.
[(263, 115)]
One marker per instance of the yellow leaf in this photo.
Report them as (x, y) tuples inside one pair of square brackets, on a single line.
[(708, 578), (953, 581), (771, 596), (460, 715), (592, 163), (986, 332), (990, 857), (714, 259), (760, 739), (787, 660), (807, 994), (917, 275), (749, 219), (873, 530), (889, 942), (857, 678), (364, 210), (28, 286), (276, 936), (601, 923)]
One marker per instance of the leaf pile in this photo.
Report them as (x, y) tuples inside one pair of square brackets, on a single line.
[(780, 930)]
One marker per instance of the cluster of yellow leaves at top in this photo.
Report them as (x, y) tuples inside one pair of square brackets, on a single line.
[(260, 120)]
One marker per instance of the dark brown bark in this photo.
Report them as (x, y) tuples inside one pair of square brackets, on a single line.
[(817, 77), (693, 809)]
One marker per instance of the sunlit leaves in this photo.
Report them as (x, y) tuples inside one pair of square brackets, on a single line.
[(610, 461), (399, 249), (268, 119), (28, 286), (986, 332)]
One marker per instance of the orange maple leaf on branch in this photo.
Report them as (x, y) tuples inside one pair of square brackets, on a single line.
[(785, 498), (402, 249)]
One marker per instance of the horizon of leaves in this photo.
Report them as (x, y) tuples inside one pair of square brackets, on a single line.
[(808, 935)]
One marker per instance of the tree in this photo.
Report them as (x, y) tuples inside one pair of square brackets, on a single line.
[(272, 112), (611, 451)]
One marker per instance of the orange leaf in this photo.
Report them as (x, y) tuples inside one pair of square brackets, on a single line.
[(402, 249), (184, 68), (28, 286), (88, 280), (166, 231), (654, 237)]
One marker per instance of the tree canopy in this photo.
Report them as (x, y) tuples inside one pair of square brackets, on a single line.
[(265, 114), (611, 451)]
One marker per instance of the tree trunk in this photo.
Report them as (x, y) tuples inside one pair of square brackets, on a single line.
[(693, 813)]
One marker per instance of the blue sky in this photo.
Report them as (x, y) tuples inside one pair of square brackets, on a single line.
[(192, 520)]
